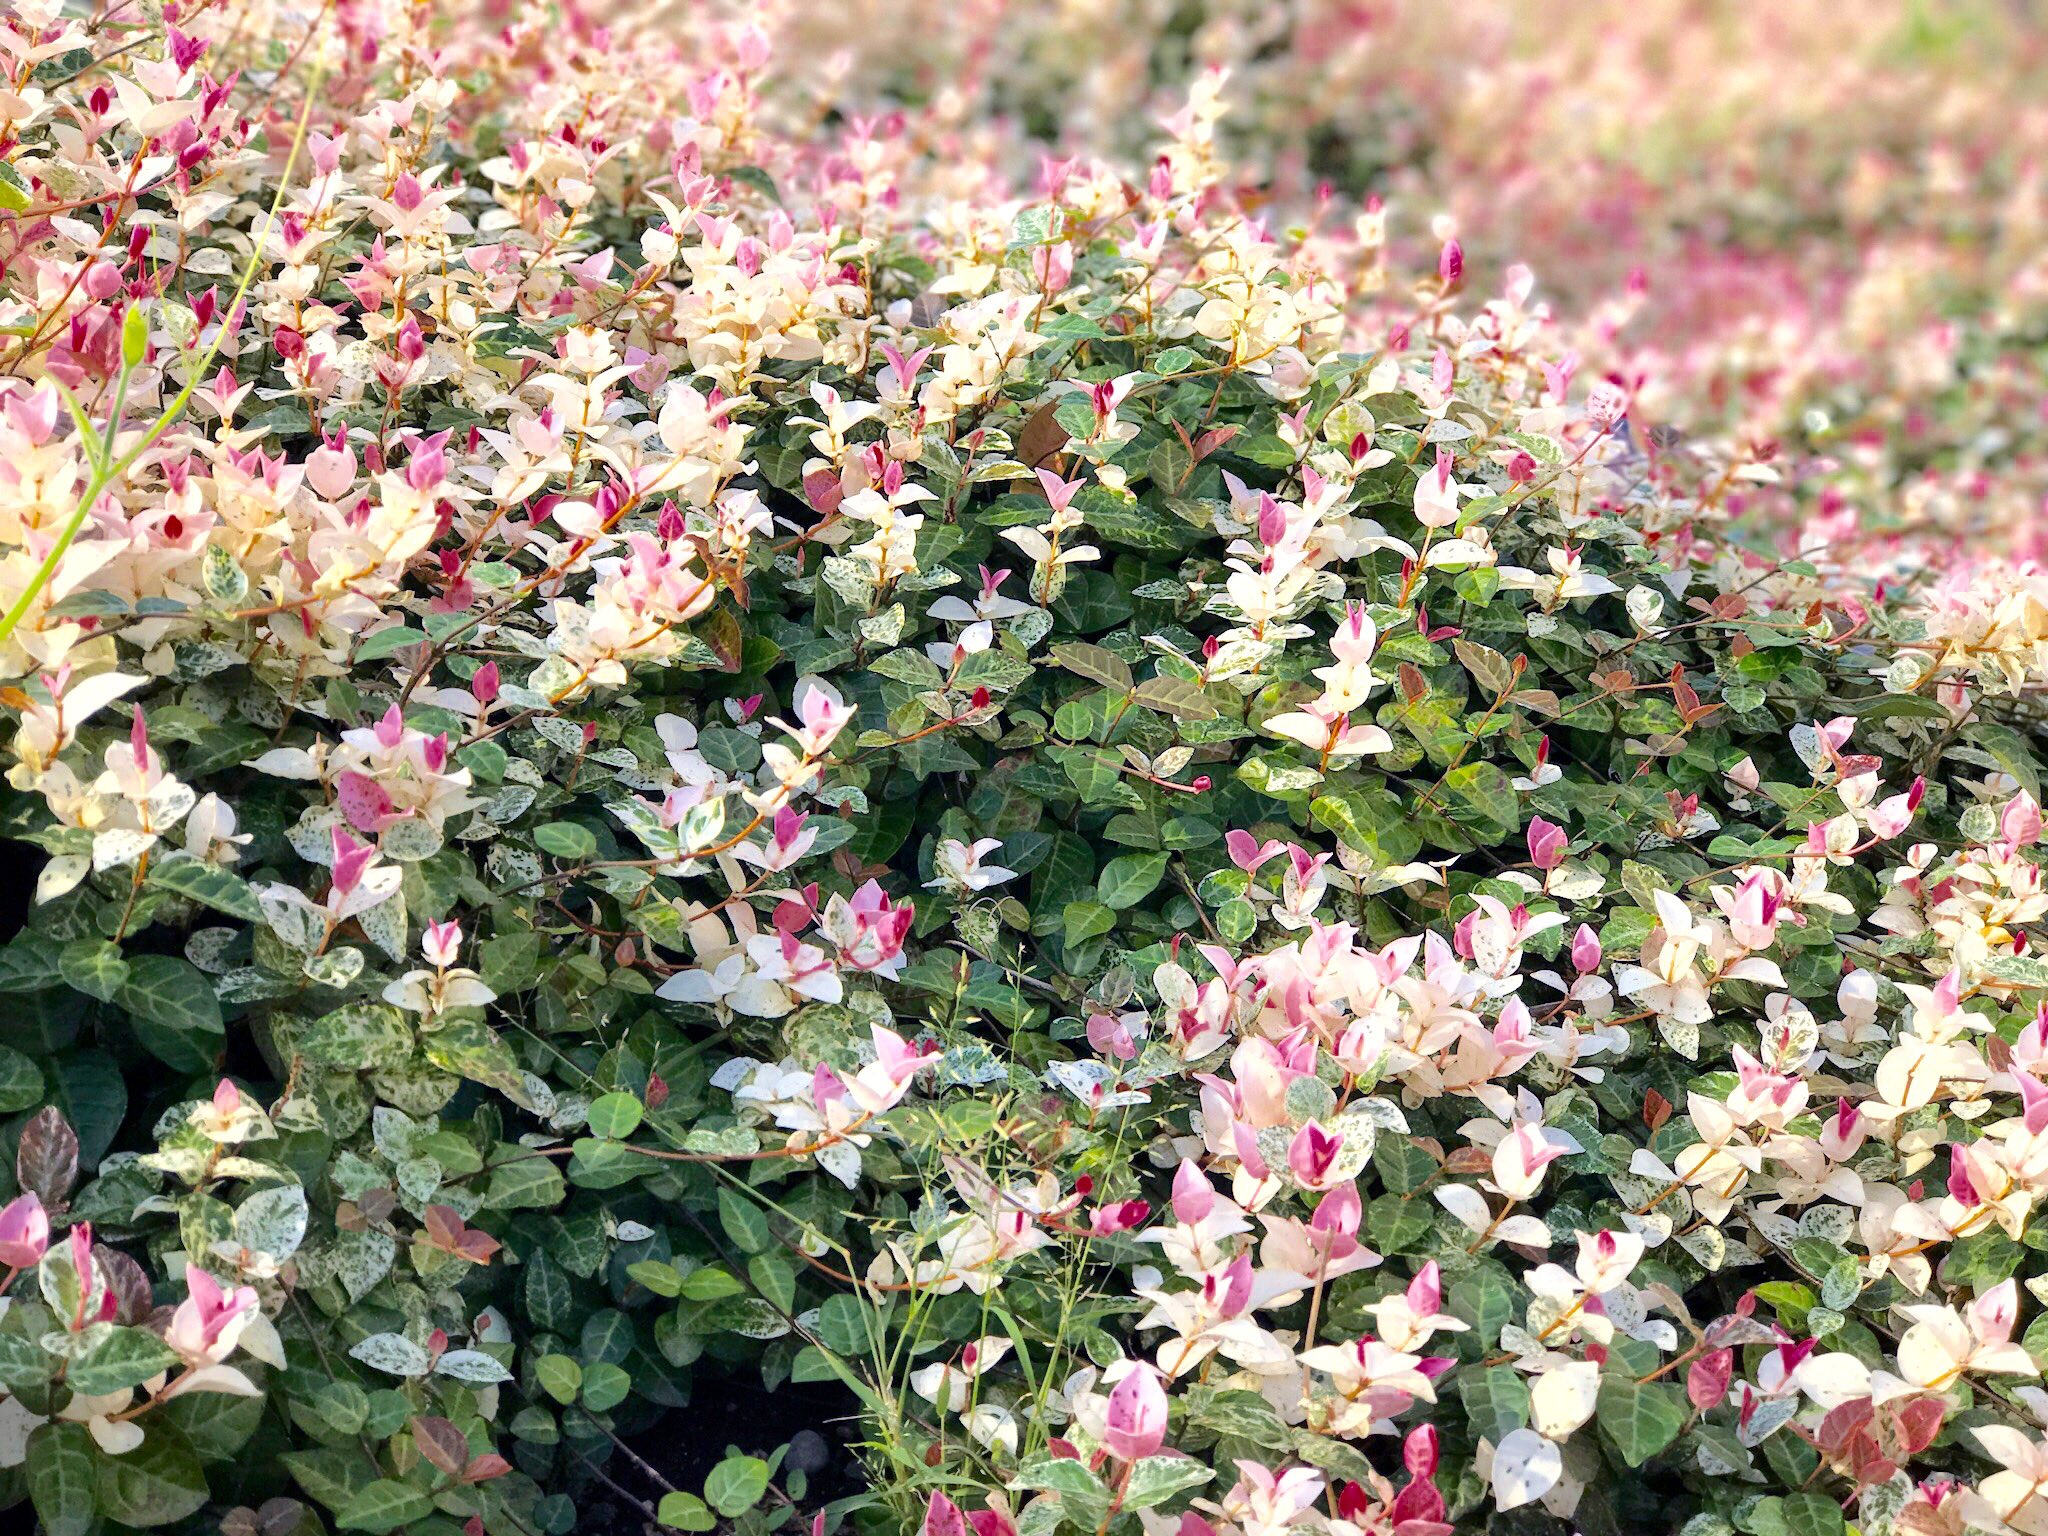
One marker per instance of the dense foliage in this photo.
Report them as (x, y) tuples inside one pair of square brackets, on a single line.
[(664, 742)]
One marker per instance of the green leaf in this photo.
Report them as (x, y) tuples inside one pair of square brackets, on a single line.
[(1496, 1400), (13, 190), (87, 1088), (1243, 1415), (1180, 697), (388, 641), (1095, 663), (842, 1326), (61, 1479), (774, 1276), (1084, 1498), (486, 759), (995, 670), (174, 993), (384, 1505), (1034, 226), (509, 335), (605, 1386), (1484, 1300), (736, 1485), (753, 176), (1811, 1514), (566, 840), (157, 1482), (124, 1357), (2022, 969), (1155, 1479), (814, 1364), (1403, 1166), (1129, 879), (1981, 1260), (2010, 750), (24, 1364), (559, 1376), (219, 1424), (662, 1279), (1062, 1475), (1369, 818), (615, 1116), (207, 885), (1398, 1224), (226, 581), (94, 967), (1136, 524), (713, 1282), (744, 1221), (685, 1512), (30, 963), (360, 1037), (21, 1081), (1081, 921), (1898, 706), (1237, 920), (331, 1475), (1480, 797), (222, 747), (1641, 1418), (1491, 670), (525, 1183)]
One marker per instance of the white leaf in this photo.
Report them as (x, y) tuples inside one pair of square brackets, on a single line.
[(392, 1353), (1525, 1467), (59, 877), (219, 1378), (117, 1437), (1771, 1415), (1524, 1232), (1467, 1204), (272, 1221), (842, 1160), (1563, 1399), (16, 1423), (120, 845), (472, 1366)]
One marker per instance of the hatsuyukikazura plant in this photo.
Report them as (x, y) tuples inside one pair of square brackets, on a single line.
[(668, 744)]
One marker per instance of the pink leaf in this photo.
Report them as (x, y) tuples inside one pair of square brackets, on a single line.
[(364, 801)]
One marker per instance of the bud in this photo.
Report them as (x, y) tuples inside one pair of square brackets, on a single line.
[(24, 1233), (1193, 1195), (134, 336), (1585, 950), (1136, 1424)]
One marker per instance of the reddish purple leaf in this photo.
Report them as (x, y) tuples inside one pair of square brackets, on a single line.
[(46, 1161)]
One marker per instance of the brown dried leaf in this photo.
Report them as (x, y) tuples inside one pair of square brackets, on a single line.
[(1040, 441)]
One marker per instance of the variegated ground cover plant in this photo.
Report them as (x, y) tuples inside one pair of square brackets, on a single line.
[(666, 741)]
